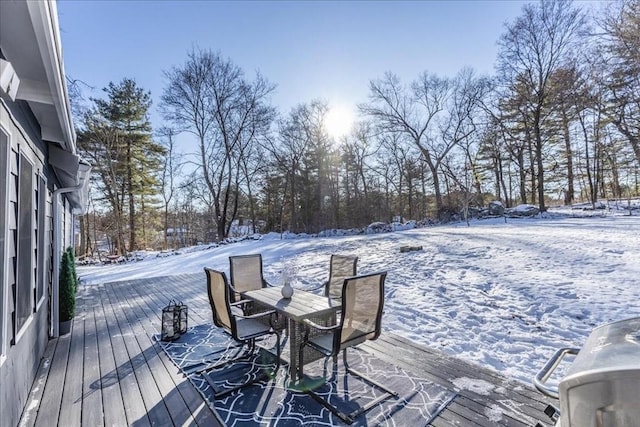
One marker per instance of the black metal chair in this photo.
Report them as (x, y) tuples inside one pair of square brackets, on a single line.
[(246, 273), (244, 329), (340, 267), (360, 320)]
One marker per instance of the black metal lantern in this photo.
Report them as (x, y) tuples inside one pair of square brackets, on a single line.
[(183, 318), (174, 321)]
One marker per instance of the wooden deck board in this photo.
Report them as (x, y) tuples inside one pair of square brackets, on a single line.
[(29, 418), (92, 412), (170, 384), (131, 393), (111, 371), (71, 405), (154, 406), (179, 412), (527, 403), (201, 413), (445, 369), (189, 409), (114, 413)]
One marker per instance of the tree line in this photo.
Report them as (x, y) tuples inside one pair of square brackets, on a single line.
[(559, 121)]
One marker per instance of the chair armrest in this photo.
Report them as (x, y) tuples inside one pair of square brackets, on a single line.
[(240, 302), (243, 303), (308, 322), (234, 290), (256, 315), (273, 316), (313, 287)]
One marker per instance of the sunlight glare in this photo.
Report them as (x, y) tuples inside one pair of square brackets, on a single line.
[(338, 121)]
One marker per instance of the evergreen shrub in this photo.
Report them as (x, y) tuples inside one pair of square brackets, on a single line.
[(67, 285), (72, 261)]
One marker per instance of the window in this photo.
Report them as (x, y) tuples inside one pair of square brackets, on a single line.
[(4, 202), (25, 267), (41, 239)]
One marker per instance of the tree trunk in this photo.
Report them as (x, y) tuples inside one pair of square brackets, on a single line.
[(523, 177), (507, 198), (532, 169), (587, 159), (570, 193), (436, 180), (634, 140), (132, 204), (615, 177), (144, 222), (166, 225), (541, 201)]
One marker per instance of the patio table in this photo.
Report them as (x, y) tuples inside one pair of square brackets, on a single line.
[(302, 305)]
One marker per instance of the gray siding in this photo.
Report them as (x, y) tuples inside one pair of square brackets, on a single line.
[(24, 344)]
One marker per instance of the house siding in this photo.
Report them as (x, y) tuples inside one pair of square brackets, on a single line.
[(24, 343)]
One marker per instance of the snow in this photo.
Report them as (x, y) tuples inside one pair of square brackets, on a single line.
[(494, 413), (475, 385), (504, 295)]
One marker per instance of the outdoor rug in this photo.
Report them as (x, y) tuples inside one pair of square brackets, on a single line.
[(269, 402)]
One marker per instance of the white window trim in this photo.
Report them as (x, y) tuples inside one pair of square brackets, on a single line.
[(24, 328), (24, 155), (42, 213), (4, 292)]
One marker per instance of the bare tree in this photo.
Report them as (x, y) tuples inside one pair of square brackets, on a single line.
[(171, 168), (396, 109), (620, 49), (537, 44), (210, 97), (435, 114), (288, 153), (357, 150)]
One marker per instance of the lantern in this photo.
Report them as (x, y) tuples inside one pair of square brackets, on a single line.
[(183, 318), (174, 321)]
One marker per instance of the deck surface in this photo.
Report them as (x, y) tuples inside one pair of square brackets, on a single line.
[(110, 372)]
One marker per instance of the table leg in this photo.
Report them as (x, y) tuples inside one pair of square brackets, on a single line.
[(295, 371)]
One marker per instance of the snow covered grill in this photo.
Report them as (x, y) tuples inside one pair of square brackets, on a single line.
[(602, 385)]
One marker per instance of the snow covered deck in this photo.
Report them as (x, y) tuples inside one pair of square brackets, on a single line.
[(110, 371)]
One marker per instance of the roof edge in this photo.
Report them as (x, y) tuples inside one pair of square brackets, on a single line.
[(44, 17)]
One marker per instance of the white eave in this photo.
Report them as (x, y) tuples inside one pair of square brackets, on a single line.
[(33, 71), (30, 42)]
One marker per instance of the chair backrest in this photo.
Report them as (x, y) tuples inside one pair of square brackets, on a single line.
[(246, 273), (219, 296), (362, 304), (340, 267)]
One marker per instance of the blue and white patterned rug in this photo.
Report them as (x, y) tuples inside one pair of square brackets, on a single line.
[(269, 402)]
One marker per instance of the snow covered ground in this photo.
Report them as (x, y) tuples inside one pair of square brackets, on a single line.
[(503, 295)]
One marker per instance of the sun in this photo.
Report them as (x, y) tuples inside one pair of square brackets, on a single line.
[(338, 121)]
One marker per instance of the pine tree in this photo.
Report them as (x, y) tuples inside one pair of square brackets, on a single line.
[(116, 136)]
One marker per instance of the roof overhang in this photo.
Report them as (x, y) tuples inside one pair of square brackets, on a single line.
[(33, 71), (73, 172), (30, 42)]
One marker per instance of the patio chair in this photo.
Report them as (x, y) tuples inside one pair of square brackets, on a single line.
[(360, 320), (340, 267), (244, 329), (246, 274)]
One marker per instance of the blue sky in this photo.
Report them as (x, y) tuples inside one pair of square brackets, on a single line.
[(311, 50)]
